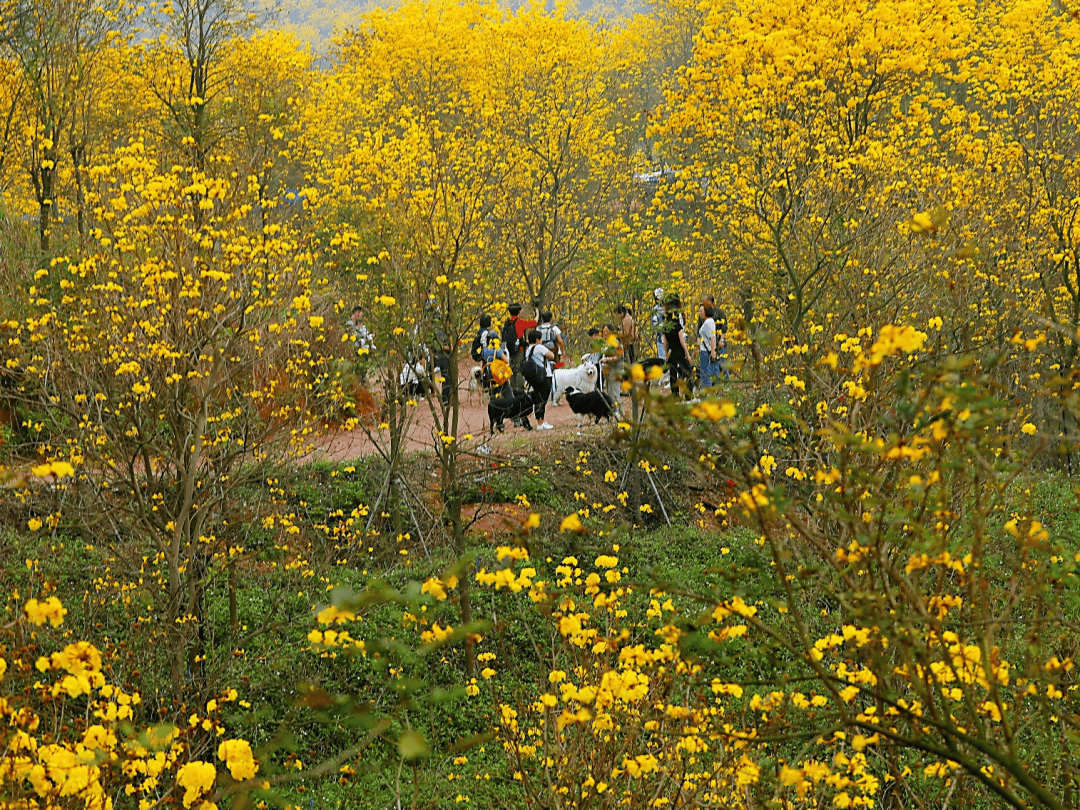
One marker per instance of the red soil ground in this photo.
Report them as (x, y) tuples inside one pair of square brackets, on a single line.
[(344, 446)]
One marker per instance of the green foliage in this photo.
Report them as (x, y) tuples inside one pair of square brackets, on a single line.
[(507, 485)]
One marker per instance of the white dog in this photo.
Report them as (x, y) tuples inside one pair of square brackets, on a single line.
[(582, 377)]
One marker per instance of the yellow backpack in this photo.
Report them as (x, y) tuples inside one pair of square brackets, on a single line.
[(500, 371)]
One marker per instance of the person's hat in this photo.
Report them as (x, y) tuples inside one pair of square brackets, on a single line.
[(658, 293)]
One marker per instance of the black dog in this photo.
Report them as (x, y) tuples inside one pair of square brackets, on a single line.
[(649, 363), (518, 406), (596, 404)]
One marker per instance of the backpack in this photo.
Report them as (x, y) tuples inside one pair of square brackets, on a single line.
[(476, 350), (490, 345), (500, 371), (534, 375), (547, 337), (509, 337)]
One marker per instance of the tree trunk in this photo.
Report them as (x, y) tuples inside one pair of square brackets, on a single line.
[(196, 641), (452, 497), (234, 613), (46, 191), (78, 155)]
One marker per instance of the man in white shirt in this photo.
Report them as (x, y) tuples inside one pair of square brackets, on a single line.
[(657, 320)]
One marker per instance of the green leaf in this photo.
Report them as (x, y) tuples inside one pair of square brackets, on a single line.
[(412, 746)]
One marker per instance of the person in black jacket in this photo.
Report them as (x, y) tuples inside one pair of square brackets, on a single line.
[(539, 359), (678, 355), (512, 345)]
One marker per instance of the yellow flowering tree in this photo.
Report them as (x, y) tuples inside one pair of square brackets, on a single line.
[(1018, 211), (187, 69), (549, 89), (839, 168), (54, 54), (172, 362), (918, 601), (408, 181), (790, 127)]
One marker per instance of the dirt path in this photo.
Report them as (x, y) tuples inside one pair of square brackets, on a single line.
[(473, 421)]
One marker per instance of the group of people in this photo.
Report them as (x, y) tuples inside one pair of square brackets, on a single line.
[(520, 357), (530, 348), (524, 353), (426, 366), (673, 348)]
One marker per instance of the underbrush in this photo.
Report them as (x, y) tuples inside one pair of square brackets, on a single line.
[(305, 701)]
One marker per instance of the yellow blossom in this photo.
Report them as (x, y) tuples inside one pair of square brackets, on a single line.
[(50, 611), (196, 778), (238, 758), (571, 523)]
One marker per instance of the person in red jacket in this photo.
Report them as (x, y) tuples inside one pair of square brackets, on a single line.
[(522, 326)]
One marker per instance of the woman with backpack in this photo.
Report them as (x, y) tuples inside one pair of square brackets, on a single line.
[(486, 348), (537, 370)]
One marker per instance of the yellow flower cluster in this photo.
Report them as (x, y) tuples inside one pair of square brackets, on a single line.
[(79, 740), (438, 588), (196, 778), (50, 611), (82, 663), (237, 756)]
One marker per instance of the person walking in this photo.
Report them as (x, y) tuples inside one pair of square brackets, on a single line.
[(523, 325), (491, 346), (358, 331), (413, 379), (488, 349), (627, 334), (678, 356), (612, 360), (598, 357), (721, 343), (539, 376), (707, 349), (438, 349), (657, 321), (706, 301)]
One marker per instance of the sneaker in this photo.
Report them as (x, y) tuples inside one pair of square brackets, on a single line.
[(545, 426)]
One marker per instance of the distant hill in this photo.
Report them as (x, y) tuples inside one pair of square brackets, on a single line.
[(315, 21)]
